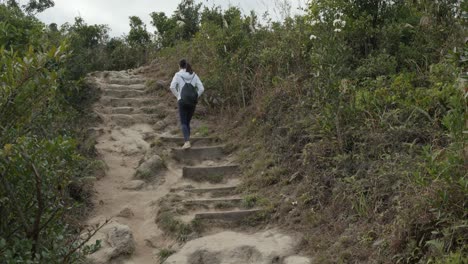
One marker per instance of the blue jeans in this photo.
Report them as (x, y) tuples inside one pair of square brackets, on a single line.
[(185, 114)]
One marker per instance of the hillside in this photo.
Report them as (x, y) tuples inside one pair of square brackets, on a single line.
[(336, 136)]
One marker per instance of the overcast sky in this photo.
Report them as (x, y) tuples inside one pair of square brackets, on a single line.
[(115, 13)]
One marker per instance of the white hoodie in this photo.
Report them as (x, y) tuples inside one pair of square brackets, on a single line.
[(182, 77)]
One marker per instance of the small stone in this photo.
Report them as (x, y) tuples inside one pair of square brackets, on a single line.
[(134, 185), (150, 167), (120, 238), (126, 213), (378, 242), (116, 240)]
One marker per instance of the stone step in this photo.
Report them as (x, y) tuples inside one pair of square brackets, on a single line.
[(129, 120), (237, 215), (198, 153), (217, 190), (193, 140), (124, 93), (153, 110), (208, 202), (122, 87), (127, 110), (121, 102), (211, 174), (125, 81)]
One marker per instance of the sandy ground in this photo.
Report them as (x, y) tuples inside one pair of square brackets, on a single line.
[(129, 127)]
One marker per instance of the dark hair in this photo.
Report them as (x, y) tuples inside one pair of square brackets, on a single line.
[(185, 65)]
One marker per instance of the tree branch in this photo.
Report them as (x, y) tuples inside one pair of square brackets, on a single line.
[(15, 203), (40, 204), (66, 259)]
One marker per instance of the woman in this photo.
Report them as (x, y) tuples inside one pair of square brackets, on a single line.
[(186, 87)]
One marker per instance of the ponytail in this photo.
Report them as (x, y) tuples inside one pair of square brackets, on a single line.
[(185, 65)]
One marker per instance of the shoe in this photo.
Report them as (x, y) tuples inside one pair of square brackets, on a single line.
[(187, 145)]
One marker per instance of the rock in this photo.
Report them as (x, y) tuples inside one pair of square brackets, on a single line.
[(160, 84), (233, 248), (134, 185), (116, 240), (150, 167), (120, 238), (297, 260), (378, 243), (126, 213)]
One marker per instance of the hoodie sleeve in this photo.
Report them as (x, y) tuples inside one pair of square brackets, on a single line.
[(199, 86), (173, 86)]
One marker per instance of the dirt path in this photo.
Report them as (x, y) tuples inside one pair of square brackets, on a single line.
[(163, 200)]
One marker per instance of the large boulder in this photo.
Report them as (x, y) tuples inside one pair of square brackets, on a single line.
[(297, 260), (116, 241), (234, 248), (134, 185), (150, 167)]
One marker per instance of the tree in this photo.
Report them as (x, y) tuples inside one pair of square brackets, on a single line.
[(189, 13), (166, 28), (212, 15), (33, 6), (86, 42), (18, 30), (38, 6), (182, 25), (138, 34)]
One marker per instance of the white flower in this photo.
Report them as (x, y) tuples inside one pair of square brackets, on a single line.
[(312, 37), (339, 23), (337, 29), (180, 23), (314, 22)]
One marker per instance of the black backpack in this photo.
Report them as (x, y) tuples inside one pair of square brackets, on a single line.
[(189, 94)]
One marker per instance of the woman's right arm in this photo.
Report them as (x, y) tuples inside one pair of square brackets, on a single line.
[(199, 86), (173, 86)]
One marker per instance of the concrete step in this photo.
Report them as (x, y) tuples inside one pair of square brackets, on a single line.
[(215, 190), (123, 87), (198, 153), (153, 110), (129, 120), (127, 110), (208, 202), (132, 102), (124, 93), (210, 174), (237, 215), (193, 140), (126, 81)]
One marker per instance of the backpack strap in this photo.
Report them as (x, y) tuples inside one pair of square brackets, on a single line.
[(190, 80)]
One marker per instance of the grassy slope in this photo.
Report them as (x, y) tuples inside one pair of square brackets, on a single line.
[(370, 168)]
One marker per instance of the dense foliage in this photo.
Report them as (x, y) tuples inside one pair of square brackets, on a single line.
[(353, 117), (355, 113), (39, 157)]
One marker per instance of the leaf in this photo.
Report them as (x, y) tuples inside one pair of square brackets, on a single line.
[(7, 149)]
